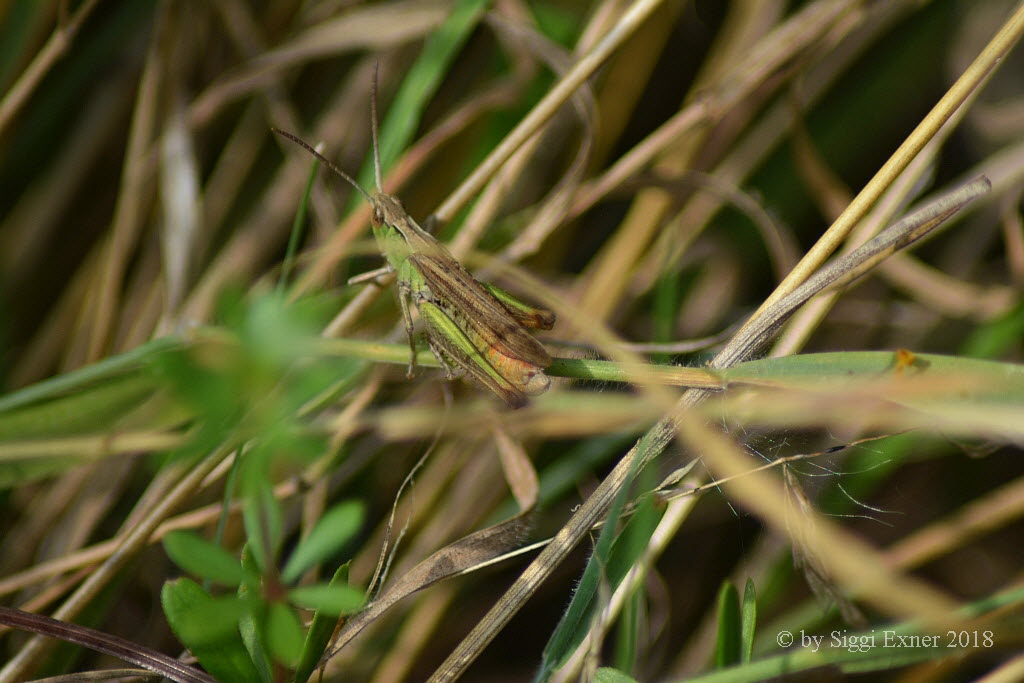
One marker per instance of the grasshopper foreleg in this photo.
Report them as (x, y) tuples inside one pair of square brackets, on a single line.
[(371, 275)]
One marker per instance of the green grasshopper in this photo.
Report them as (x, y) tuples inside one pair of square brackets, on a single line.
[(477, 327)]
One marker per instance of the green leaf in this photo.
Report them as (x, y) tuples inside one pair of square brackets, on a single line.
[(207, 560), (609, 675), (980, 381), (727, 644), (252, 625), (274, 335), (612, 558), (19, 471), (284, 634), (261, 514), (250, 588), (319, 634), (88, 411), (422, 80), (748, 619), (123, 365), (1000, 337), (336, 528), (628, 632), (799, 659), (198, 376), (329, 599), (208, 627)]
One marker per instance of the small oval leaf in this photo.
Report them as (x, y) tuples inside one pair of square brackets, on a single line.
[(206, 560), (332, 600), (208, 627), (284, 634), (336, 528)]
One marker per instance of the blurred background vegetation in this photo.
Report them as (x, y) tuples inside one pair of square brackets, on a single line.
[(142, 196)]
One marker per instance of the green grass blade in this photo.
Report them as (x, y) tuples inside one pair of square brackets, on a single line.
[(421, 82), (727, 644)]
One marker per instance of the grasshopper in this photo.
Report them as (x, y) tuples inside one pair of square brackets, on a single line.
[(478, 328)]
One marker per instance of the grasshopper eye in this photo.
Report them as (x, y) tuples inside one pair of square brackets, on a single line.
[(378, 216)]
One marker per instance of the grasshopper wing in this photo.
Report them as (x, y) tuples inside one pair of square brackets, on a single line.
[(524, 314), (467, 302), (448, 341)]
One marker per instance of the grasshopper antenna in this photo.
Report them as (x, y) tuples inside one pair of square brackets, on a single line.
[(327, 162), (373, 128)]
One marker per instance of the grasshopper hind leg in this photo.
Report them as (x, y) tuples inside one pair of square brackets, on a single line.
[(450, 371)]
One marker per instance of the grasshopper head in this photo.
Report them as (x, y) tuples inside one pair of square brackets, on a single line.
[(387, 209)]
